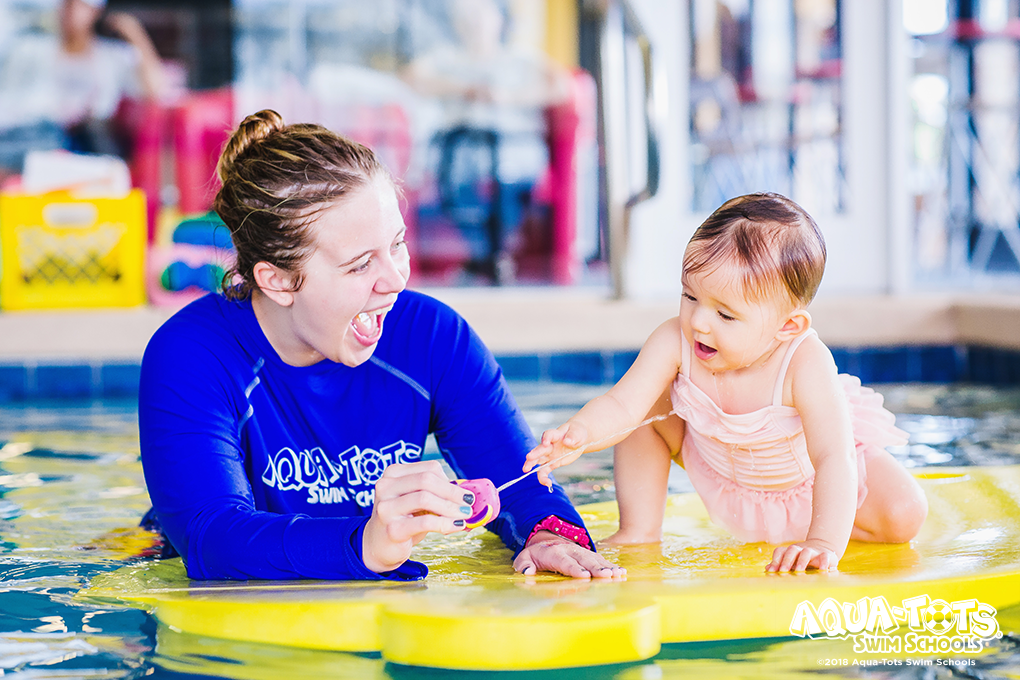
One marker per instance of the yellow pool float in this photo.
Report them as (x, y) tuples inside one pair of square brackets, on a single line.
[(474, 612)]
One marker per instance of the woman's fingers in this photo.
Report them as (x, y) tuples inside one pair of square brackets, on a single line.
[(598, 566), (424, 476), (421, 503), (415, 528)]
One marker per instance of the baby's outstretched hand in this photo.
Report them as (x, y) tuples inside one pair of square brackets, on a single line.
[(803, 556), (553, 450)]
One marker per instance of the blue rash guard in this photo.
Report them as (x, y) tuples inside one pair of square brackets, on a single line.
[(259, 469)]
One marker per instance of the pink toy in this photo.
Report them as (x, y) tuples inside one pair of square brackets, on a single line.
[(486, 505)]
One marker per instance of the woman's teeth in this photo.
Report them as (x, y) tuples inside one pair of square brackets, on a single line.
[(368, 325), (367, 318)]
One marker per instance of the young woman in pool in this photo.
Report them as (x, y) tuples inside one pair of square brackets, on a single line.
[(779, 447), (282, 424)]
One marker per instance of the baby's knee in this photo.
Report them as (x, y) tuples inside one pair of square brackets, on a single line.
[(904, 517)]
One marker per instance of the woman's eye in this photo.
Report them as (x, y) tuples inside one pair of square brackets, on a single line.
[(360, 267), (688, 296)]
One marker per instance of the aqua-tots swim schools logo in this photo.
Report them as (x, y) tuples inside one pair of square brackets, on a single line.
[(935, 626)]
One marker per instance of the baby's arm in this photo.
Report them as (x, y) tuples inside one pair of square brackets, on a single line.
[(608, 419), (819, 398)]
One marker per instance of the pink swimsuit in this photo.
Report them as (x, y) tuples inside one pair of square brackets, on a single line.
[(752, 470)]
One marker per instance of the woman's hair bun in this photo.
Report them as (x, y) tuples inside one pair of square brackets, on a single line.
[(252, 129)]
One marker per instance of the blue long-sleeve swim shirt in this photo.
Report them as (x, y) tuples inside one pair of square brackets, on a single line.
[(260, 469)]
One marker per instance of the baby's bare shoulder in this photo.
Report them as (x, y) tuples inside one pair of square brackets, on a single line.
[(811, 367), (666, 338)]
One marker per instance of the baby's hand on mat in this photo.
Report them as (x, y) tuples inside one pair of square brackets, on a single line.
[(802, 556), (554, 447)]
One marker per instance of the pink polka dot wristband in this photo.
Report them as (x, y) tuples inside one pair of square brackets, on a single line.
[(554, 524)]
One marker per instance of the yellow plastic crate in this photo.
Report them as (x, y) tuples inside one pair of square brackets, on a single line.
[(57, 250)]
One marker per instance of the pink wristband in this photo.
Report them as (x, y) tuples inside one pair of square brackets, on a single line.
[(554, 524)]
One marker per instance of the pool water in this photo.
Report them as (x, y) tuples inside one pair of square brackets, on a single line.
[(71, 490)]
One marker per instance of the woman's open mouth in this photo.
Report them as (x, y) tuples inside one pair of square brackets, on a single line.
[(367, 326), (703, 351)]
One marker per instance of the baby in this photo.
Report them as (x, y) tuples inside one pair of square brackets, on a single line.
[(780, 447)]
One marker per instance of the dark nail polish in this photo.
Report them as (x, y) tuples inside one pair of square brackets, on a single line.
[(469, 498), (458, 522)]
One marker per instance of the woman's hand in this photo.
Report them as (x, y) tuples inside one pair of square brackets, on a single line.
[(554, 447), (802, 556), (411, 500), (548, 552)]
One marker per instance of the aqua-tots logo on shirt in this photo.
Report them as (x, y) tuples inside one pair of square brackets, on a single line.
[(936, 626), (352, 474)]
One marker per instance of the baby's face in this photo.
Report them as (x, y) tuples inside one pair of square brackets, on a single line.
[(726, 330)]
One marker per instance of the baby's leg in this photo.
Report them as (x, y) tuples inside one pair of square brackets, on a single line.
[(641, 470), (895, 507)]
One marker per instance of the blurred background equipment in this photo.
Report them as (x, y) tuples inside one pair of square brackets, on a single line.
[(564, 142)]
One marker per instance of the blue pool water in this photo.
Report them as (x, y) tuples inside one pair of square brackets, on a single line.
[(69, 477)]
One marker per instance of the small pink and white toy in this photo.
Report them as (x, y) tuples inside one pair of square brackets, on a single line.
[(486, 505)]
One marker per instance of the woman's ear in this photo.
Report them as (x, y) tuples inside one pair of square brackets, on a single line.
[(795, 324), (275, 283)]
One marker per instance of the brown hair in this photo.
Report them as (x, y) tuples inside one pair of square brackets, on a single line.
[(774, 240), (276, 178)]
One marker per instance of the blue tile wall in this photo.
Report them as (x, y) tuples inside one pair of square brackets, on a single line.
[(524, 367), (939, 364), (119, 380), (13, 382), (70, 381), (903, 364), (993, 366), (579, 367)]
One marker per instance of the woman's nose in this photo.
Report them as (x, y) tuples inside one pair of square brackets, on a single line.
[(393, 277)]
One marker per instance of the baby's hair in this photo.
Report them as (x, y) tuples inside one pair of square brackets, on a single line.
[(774, 240), (276, 178)]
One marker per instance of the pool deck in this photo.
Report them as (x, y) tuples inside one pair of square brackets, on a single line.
[(527, 321)]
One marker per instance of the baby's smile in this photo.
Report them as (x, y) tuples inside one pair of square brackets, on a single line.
[(703, 351)]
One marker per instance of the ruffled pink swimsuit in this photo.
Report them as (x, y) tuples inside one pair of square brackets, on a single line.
[(752, 470)]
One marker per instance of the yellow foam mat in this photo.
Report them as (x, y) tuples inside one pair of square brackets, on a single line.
[(699, 584)]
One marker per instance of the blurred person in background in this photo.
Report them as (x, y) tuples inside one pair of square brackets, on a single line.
[(62, 91), (492, 95)]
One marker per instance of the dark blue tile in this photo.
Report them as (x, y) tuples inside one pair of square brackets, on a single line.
[(885, 365), (13, 382), (942, 364), (521, 367), (582, 367), (993, 366), (70, 381), (979, 367), (120, 380)]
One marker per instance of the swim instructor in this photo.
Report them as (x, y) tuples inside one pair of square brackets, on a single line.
[(282, 423)]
